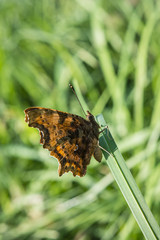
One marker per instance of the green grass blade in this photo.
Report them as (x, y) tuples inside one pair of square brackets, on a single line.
[(141, 72), (128, 186)]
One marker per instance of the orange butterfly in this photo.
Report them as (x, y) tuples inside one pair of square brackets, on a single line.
[(70, 138)]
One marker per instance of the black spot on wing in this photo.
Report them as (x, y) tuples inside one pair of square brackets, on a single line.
[(57, 153), (49, 111), (62, 117), (73, 134), (60, 131), (76, 133), (54, 127), (72, 124), (63, 161)]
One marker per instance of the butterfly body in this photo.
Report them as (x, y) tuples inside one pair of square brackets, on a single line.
[(69, 138)]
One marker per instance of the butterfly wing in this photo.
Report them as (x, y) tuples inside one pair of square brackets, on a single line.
[(68, 137)]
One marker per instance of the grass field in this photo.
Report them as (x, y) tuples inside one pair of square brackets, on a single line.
[(110, 52)]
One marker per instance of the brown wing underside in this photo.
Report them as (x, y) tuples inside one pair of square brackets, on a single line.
[(68, 137)]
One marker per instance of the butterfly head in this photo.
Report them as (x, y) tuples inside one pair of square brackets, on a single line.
[(91, 118)]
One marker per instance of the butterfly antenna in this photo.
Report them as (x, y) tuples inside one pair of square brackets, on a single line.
[(77, 97)]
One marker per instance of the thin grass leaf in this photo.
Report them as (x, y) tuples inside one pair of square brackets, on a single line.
[(141, 70), (128, 186)]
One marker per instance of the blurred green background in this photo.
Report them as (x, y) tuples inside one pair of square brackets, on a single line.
[(110, 52)]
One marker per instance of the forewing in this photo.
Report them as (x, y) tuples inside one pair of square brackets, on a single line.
[(68, 137)]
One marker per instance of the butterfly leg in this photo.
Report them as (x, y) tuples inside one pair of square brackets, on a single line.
[(110, 154), (103, 129)]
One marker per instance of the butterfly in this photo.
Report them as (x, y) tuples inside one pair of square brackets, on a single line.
[(69, 138)]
